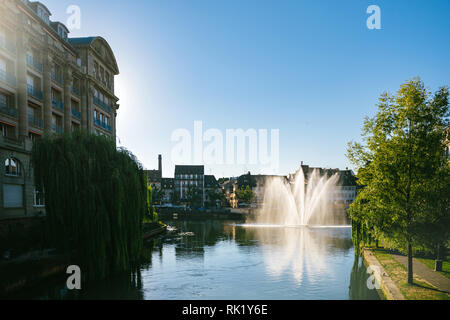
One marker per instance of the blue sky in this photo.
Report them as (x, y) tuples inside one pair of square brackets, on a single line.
[(311, 69)]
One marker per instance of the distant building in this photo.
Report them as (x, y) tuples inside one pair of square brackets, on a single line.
[(167, 188), (189, 178), (155, 176), (229, 186), (212, 191), (344, 192), (257, 184)]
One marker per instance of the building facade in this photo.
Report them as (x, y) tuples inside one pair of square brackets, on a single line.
[(188, 178), (49, 83)]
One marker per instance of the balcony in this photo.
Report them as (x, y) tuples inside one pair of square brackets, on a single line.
[(8, 46), (103, 125), (36, 122), (32, 62), (36, 93), (57, 78), (9, 79), (57, 129), (75, 91), (76, 114), (7, 110), (57, 104), (103, 105)]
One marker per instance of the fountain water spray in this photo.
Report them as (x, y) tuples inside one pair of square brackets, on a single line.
[(301, 202)]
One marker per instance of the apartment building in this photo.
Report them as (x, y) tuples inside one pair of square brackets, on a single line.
[(189, 178), (49, 83)]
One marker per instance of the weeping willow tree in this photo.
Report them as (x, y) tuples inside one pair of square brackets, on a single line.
[(151, 212), (95, 197)]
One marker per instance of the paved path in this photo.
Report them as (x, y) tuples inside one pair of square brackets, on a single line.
[(435, 278)]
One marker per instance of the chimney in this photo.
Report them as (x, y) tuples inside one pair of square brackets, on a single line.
[(160, 163)]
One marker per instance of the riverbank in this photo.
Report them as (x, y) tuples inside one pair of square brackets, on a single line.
[(30, 270), (392, 276), (224, 214), (153, 229)]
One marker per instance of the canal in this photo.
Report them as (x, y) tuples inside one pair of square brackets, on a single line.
[(224, 260)]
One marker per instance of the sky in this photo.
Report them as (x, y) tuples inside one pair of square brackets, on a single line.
[(311, 69)]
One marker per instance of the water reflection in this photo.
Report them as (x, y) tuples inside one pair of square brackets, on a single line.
[(302, 251), (225, 260)]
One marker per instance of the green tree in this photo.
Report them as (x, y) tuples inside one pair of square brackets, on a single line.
[(151, 211), (399, 162), (95, 197), (194, 196), (245, 194), (214, 195)]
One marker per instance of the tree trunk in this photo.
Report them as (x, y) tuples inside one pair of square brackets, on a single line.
[(376, 243), (438, 262), (410, 264)]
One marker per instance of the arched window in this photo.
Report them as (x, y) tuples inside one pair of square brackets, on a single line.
[(12, 167)]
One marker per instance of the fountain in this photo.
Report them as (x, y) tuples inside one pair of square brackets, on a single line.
[(300, 202)]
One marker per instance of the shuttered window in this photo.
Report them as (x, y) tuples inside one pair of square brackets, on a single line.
[(12, 196)]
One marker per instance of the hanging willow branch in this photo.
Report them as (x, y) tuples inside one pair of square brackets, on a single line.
[(95, 197)]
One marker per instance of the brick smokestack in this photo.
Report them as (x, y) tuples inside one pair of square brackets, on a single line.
[(160, 163)]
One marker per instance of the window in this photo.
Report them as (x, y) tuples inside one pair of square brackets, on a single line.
[(12, 196), (2, 38), (30, 81), (3, 100), (7, 131), (12, 167), (62, 32), (43, 14), (95, 70), (107, 80), (33, 136), (31, 112), (38, 198), (2, 65)]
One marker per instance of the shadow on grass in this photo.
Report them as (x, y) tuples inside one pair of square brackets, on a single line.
[(428, 288)]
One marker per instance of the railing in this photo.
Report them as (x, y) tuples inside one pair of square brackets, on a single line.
[(57, 129), (8, 46), (39, 123), (34, 63), (103, 105), (76, 114), (57, 104), (102, 124), (34, 92), (57, 78), (9, 111), (75, 91), (8, 78)]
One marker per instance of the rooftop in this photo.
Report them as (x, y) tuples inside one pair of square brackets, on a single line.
[(184, 169)]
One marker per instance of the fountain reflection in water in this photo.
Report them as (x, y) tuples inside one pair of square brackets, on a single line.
[(302, 251), (301, 202)]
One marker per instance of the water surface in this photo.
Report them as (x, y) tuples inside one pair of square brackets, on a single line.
[(224, 260)]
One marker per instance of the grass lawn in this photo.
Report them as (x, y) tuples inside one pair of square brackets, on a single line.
[(420, 290), (430, 264)]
